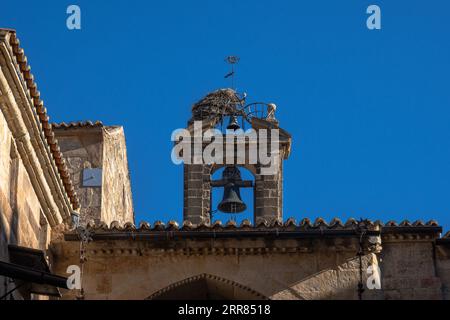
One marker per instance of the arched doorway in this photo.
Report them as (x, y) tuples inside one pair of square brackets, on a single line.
[(206, 287)]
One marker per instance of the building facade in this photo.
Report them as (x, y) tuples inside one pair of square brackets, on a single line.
[(66, 200)]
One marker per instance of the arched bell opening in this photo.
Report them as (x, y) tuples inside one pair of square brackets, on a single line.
[(238, 195), (232, 123)]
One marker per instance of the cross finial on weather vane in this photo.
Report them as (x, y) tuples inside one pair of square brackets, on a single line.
[(231, 60)]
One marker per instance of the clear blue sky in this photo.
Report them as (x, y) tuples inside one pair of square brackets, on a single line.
[(369, 111)]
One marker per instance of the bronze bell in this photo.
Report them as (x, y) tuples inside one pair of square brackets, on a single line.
[(232, 202), (233, 124)]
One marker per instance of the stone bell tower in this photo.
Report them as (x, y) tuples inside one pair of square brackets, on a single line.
[(259, 129)]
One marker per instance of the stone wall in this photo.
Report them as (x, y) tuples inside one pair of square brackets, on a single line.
[(21, 219), (409, 270), (197, 193), (268, 192), (135, 270), (443, 266), (8, 218), (117, 202), (83, 148), (103, 148), (322, 268)]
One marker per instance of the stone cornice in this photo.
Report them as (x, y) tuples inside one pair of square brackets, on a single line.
[(337, 235), (31, 144), (30, 94), (190, 245)]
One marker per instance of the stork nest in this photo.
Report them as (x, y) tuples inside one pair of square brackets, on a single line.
[(215, 105)]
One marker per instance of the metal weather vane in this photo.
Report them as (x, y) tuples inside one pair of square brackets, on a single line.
[(231, 60)]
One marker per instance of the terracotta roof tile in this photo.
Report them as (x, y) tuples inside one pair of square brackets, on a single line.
[(263, 224), (78, 124), (289, 230)]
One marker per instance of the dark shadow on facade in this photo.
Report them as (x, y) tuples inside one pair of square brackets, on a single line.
[(206, 287)]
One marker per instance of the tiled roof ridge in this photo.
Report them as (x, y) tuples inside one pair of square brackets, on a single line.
[(41, 111), (77, 124), (290, 223)]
